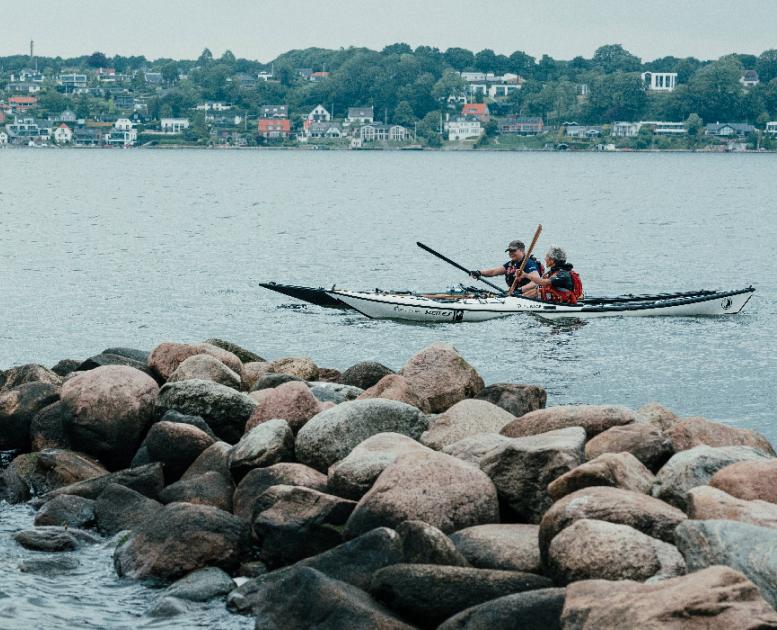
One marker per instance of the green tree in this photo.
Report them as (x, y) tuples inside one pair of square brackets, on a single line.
[(397, 49), (522, 64), (450, 84), (170, 72), (228, 58), (53, 102), (459, 58), (766, 66), (485, 60), (403, 114), (619, 96), (97, 60), (694, 123), (716, 90), (428, 129), (205, 58), (615, 58)]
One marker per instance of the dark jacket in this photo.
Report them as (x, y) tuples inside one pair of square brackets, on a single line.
[(560, 278)]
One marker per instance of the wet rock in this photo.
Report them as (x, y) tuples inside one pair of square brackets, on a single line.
[(148, 480), (293, 402), (215, 458), (394, 387), (266, 444), (110, 409), (201, 585), (66, 511), (182, 418), (619, 470), (424, 544), (517, 400), (210, 488), (104, 358), (695, 467), (301, 367), (716, 599), (20, 480), (65, 367), (29, 373), (47, 428), (644, 513), (658, 416), (258, 480), (183, 537), (646, 442), (207, 368), (329, 436), (428, 594), (49, 566), (18, 406), (749, 480), (354, 475), (246, 356), (252, 372), (176, 446), (334, 392), (692, 432), (522, 469), (530, 610), (224, 409), (506, 547), (365, 374), (130, 353), (706, 502), (749, 549), (474, 448), (166, 357), (271, 380), (168, 607), (465, 419), (120, 508), (590, 549), (60, 467), (431, 487), (252, 569), (441, 377), (329, 375), (301, 522), (53, 538), (593, 418)]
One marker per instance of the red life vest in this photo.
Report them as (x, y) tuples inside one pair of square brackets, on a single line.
[(551, 294)]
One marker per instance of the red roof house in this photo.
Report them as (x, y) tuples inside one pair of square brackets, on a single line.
[(476, 109), (274, 127), (22, 103)]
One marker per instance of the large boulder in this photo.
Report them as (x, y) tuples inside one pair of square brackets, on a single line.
[(266, 444), (252, 372), (180, 538), (210, 488), (166, 357), (590, 549), (47, 428), (18, 406), (427, 594), (246, 356), (130, 353), (224, 409), (424, 544), (431, 487), (749, 480), (517, 400), (19, 481), (619, 470), (657, 415), (365, 374), (441, 377), (207, 368), (530, 610), (292, 401), (215, 458), (329, 436), (29, 373), (593, 418), (464, 419), (176, 446), (119, 508), (717, 598), (334, 393), (271, 380), (646, 442), (301, 367), (474, 448), (692, 432), (393, 387), (53, 538), (695, 467), (741, 546), (148, 480), (106, 358), (508, 547), (706, 502), (522, 469), (258, 480), (644, 513), (65, 367), (201, 585), (110, 409), (66, 511), (354, 475)]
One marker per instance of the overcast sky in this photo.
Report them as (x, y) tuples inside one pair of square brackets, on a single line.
[(261, 30)]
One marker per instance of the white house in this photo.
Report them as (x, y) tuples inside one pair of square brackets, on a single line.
[(323, 130), (749, 78), (63, 134), (490, 84), (3, 138), (625, 129), (660, 81), (319, 114), (464, 128), (771, 128), (216, 107), (173, 125), (123, 124), (123, 133), (381, 132), (361, 115)]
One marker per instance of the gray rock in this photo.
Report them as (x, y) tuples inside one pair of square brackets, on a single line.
[(119, 508), (364, 374), (130, 353), (201, 585), (67, 511), (107, 358), (207, 368), (18, 406), (474, 448), (195, 421), (215, 458), (246, 356), (743, 547), (464, 419), (330, 435), (29, 373), (272, 380), (531, 610), (176, 445), (47, 427), (168, 607), (266, 444), (522, 469), (53, 538), (147, 480), (619, 470), (507, 547), (515, 399), (334, 392), (210, 488), (424, 544), (48, 566), (65, 366)]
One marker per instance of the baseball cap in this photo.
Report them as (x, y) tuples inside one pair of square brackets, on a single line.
[(516, 245)]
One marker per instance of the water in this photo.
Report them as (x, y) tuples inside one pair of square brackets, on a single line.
[(106, 248)]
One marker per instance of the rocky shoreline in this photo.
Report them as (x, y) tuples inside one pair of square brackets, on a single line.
[(308, 497)]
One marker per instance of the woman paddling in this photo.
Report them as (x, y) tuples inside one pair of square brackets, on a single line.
[(560, 283)]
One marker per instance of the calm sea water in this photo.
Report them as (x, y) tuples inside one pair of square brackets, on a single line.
[(105, 248)]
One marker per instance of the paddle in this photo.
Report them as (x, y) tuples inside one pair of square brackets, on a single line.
[(525, 258), (457, 265)]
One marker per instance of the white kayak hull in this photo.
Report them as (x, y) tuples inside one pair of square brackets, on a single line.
[(416, 308)]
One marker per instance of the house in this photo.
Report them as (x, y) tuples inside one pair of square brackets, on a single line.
[(72, 83), (315, 77), (265, 76), (749, 78), (490, 84), (173, 125), (771, 128), (28, 74), (26, 130), (476, 109), (728, 129), (245, 80), (123, 124), (305, 73), (153, 78), (63, 134), (663, 128), (521, 125), (581, 131), (660, 81), (324, 130), (360, 115), (464, 128), (212, 107), (270, 128), (106, 75), (122, 135), (274, 111), (22, 103), (382, 132), (624, 129), (26, 87), (3, 138), (66, 116), (88, 137), (124, 101), (319, 114)]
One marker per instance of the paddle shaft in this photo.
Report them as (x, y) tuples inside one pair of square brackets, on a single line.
[(455, 264), (525, 258)]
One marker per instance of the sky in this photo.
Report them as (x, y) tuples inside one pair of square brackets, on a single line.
[(259, 29)]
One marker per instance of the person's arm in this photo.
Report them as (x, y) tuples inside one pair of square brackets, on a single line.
[(488, 273)]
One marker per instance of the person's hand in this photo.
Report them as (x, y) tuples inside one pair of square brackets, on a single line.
[(475, 274), (520, 275)]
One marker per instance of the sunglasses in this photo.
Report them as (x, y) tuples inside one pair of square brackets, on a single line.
[(512, 250)]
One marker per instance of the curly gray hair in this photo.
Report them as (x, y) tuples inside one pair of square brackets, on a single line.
[(556, 253)]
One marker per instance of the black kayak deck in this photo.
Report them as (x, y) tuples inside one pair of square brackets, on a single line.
[(318, 296)]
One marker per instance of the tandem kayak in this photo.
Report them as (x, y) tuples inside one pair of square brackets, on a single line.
[(470, 305)]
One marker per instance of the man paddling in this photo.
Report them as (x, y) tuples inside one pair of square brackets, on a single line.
[(559, 284), (517, 251)]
